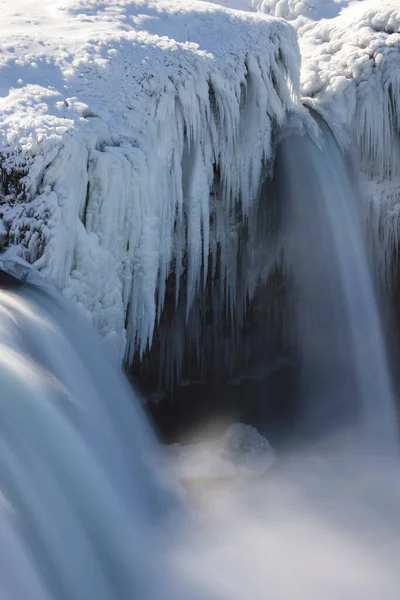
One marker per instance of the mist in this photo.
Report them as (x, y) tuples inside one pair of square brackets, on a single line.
[(321, 524)]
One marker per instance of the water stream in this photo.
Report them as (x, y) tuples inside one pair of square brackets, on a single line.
[(345, 375), (81, 490), (86, 512)]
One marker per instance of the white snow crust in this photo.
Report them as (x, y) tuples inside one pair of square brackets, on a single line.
[(115, 116)]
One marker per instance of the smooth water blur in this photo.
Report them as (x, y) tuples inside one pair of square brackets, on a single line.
[(345, 376), (81, 501)]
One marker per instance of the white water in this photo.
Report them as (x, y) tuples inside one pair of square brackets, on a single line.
[(345, 376), (80, 500), (324, 524), (83, 513)]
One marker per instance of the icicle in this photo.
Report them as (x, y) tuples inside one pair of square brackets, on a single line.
[(158, 180)]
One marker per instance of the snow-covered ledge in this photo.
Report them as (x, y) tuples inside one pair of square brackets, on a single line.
[(116, 120), (350, 74)]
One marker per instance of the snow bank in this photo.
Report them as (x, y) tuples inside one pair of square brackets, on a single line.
[(116, 123)]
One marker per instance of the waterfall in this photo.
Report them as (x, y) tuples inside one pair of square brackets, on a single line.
[(345, 376), (80, 498), (84, 512)]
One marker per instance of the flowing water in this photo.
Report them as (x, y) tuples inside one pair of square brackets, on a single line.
[(85, 513), (345, 376), (80, 498)]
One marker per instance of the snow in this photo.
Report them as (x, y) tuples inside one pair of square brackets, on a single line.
[(314, 10), (114, 116), (349, 74), (134, 135)]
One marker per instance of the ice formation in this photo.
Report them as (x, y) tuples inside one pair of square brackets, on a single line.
[(350, 54), (133, 139), (349, 70), (134, 135)]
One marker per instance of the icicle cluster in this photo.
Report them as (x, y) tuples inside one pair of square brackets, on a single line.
[(350, 54), (147, 155), (132, 151)]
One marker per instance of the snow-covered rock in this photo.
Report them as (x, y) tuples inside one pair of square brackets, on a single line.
[(350, 74), (117, 121), (350, 53)]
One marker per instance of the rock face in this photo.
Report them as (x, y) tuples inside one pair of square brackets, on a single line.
[(8, 281)]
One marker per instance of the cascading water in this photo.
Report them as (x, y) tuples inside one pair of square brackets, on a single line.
[(83, 512), (80, 500), (345, 376)]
